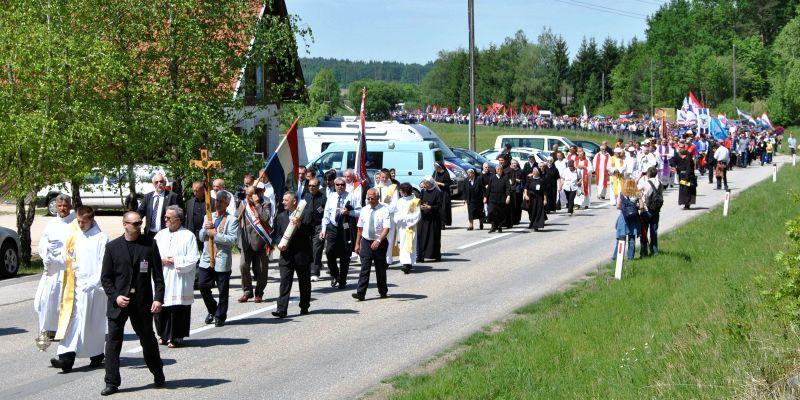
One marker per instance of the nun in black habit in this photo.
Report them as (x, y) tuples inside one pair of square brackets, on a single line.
[(429, 228)]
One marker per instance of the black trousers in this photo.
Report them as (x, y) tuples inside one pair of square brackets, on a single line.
[(570, 199), (142, 322), (317, 246), (287, 276), (337, 251), (173, 322), (723, 178), (206, 279), (368, 256)]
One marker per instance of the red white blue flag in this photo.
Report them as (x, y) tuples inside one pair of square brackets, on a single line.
[(361, 155), (284, 163)]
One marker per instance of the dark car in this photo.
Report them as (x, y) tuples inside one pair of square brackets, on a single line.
[(592, 147), (472, 158)]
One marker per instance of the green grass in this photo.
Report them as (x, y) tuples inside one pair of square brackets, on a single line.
[(456, 135), (36, 268), (689, 323)]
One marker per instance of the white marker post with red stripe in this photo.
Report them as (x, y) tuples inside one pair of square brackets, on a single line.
[(774, 172), (727, 200), (620, 256)]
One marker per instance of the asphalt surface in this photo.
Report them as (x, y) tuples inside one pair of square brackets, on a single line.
[(345, 348)]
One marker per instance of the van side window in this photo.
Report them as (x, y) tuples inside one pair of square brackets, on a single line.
[(374, 159), (324, 147), (329, 161), (420, 163), (438, 156)]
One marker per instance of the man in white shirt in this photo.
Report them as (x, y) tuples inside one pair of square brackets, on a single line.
[(179, 255), (51, 244), (647, 159), (337, 223), (723, 157), (371, 244), (631, 164)]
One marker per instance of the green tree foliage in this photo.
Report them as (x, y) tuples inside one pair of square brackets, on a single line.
[(346, 71), (784, 102), (324, 90), (382, 97)]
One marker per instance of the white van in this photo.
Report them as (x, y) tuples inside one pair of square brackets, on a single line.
[(411, 160), (541, 142)]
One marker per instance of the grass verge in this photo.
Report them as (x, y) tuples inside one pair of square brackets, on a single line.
[(456, 135), (689, 323)]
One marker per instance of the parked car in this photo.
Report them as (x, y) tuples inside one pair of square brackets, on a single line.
[(541, 142), (9, 252), (588, 146), (102, 190), (517, 153), (474, 159)]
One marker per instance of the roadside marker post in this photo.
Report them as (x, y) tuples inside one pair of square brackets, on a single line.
[(774, 172), (620, 256), (794, 160), (727, 200)]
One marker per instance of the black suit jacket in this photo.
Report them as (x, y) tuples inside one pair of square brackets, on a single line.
[(472, 194), (298, 251), (146, 207), (121, 272), (188, 221)]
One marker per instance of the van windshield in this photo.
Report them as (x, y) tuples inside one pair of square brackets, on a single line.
[(446, 152)]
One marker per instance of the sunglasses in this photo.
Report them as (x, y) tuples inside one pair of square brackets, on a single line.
[(137, 223), (159, 181), (340, 184)]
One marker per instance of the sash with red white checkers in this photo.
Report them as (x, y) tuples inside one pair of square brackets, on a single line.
[(252, 217)]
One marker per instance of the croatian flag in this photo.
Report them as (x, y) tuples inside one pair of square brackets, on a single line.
[(765, 121), (685, 106), (629, 114), (283, 163), (361, 155), (746, 116), (723, 119), (694, 102)]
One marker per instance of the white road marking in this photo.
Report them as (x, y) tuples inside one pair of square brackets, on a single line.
[(209, 326)]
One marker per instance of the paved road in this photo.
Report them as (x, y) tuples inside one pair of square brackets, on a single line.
[(344, 347)]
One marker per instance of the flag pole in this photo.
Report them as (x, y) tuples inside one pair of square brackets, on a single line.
[(471, 23)]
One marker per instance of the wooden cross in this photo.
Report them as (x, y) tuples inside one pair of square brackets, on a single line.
[(206, 165)]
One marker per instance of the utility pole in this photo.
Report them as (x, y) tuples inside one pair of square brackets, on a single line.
[(734, 75), (603, 85), (652, 109), (471, 18)]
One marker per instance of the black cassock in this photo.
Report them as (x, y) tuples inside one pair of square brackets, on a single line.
[(496, 193), (536, 212), (550, 178), (687, 181), (446, 210), (429, 231), (472, 193), (516, 182)]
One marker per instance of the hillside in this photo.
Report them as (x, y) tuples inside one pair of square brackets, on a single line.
[(347, 71)]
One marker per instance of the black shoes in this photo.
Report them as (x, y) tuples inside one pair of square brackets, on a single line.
[(342, 285), (385, 295), (304, 311), (209, 319), (334, 281), (64, 364), (109, 390), (359, 297), (279, 314), (219, 322), (159, 380), (96, 361), (406, 269)]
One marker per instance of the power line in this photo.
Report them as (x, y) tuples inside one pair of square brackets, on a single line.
[(655, 3), (609, 8), (605, 10)]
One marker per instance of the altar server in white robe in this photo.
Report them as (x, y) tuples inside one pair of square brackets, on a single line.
[(51, 246), (388, 196), (82, 313), (406, 217), (178, 249)]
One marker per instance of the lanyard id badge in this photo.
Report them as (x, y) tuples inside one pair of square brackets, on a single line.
[(144, 267)]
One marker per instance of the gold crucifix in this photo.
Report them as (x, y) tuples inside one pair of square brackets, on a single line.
[(206, 165)]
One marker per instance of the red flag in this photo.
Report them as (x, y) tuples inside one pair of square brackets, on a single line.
[(534, 109), (523, 109), (694, 102), (361, 156)]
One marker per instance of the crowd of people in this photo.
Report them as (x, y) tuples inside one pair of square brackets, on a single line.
[(92, 285)]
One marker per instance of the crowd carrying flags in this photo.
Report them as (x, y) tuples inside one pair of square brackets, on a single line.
[(628, 114), (585, 115), (746, 116), (764, 120), (284, 162), (361, 155), (718, 129), (694, 102)]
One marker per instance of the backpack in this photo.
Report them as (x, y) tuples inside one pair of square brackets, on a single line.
[(629, 209), (656, 199)]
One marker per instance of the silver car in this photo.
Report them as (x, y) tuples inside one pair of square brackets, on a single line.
[(9, 252)]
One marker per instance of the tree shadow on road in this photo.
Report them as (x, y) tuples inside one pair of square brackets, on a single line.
[(426, 268), (209, 342), (333, 311), (12, 331), (138, 362)]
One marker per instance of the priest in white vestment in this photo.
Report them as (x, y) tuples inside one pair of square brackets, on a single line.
[(388, 196), (406, 217), (51, 246), (179, 255), (82, 313)]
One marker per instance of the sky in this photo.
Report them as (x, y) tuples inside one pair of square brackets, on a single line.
[(416, 30)]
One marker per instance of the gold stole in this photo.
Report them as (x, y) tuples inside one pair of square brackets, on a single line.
[(412, 208), (388, 198), (68, 288), (616, 177)]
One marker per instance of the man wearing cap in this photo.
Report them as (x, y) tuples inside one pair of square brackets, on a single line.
[(631, 164)]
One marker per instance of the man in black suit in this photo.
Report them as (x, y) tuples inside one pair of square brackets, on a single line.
[(134, 283), (196, 211), (154, 206), (295, 256)]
